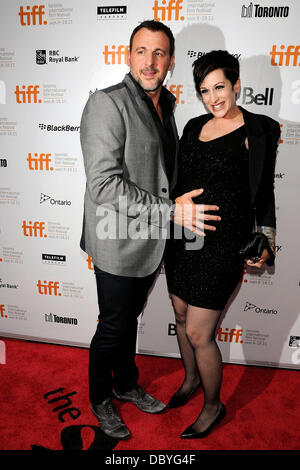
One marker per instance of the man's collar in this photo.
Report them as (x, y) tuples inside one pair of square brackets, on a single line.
[(165, 96)]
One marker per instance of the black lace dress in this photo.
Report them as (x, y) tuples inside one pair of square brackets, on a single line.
[(207, 276)]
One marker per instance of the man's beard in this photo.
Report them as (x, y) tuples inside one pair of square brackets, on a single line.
[(154, 87)]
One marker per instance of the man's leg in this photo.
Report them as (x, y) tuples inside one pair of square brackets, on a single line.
[(121, 300)]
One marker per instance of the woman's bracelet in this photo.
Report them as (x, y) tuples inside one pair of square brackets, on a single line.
[(270, 233)]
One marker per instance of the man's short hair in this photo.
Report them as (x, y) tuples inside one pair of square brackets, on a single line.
[(155, 26)]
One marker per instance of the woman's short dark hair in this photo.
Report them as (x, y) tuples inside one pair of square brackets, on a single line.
[(216, 60), (155, 26)]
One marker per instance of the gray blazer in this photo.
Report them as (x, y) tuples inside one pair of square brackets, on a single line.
[(126, 204)]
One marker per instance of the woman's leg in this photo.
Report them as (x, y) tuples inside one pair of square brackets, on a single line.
[(191, 379), (201, 324)]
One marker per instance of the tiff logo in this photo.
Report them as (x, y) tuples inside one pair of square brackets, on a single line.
[(2, 353), (172, 10), (34, 229), (2, 311), (48, 288), (90, 263), (176, 90), (25, 95), (118, 56), (228, 336), (284, 57), (33, 15), (39, 162)]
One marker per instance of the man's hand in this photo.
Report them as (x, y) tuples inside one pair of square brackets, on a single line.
[(193, 216)]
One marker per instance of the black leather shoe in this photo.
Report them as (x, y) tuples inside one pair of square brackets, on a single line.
[(109, 420), (181, 399), (190, 433), (141, 399)]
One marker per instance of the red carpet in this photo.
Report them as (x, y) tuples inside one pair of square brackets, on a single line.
[(44, 405)]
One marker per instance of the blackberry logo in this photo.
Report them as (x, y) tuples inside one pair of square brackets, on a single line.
[(58, 128), (198, 54)]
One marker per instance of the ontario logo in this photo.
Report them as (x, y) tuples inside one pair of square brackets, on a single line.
[(54, 202), (265, 310)]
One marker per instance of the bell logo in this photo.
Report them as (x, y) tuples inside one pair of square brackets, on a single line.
[(27, 94), (34, 229), (33, 15), (176, 90), (2, 310), (39, 162), (117, 56), (174, 6), (285, 56), (48, 288), (228, 336)]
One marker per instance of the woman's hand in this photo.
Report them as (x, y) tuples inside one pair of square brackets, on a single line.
[(258, 263)]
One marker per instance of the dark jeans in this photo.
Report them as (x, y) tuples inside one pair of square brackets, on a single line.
[(112, 352)]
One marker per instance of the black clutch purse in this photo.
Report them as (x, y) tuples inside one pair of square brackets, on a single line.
[(255, 245)]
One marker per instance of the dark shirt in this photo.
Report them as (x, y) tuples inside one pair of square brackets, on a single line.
[(164, 128)]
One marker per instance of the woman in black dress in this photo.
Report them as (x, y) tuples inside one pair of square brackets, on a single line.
[(230, 153)]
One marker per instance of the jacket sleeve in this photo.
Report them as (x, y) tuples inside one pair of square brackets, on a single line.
[(103, 136), (265, 201)]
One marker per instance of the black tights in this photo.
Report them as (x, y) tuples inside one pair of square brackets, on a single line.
[(201, 356)]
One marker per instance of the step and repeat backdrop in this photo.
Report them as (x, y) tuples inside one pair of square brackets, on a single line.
[(52, 56)]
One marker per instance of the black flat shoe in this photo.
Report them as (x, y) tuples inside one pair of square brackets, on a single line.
[(180, 400), (190, 433)]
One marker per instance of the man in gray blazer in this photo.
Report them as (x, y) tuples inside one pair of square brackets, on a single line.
[(129, 143)]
